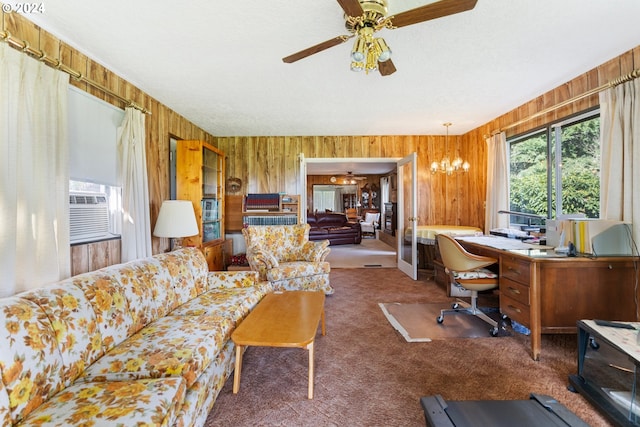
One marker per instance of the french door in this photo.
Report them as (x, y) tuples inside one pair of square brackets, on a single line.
[(407, 219)]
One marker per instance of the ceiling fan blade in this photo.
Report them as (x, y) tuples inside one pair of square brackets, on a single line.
[(351, 7), (431, 11), (386, 67), (315, 49)]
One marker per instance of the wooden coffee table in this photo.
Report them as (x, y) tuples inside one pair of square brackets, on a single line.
[(281, 319)]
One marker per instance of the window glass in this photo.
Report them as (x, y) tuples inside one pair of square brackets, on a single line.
[(578, 167), (556, 170)]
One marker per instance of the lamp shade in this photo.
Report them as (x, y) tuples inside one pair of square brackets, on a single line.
[(176, 219)]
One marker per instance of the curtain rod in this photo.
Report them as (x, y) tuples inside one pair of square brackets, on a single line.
[(615, 82), (55, 63)]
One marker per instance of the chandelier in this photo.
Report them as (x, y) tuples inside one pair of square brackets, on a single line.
[(446, 165)]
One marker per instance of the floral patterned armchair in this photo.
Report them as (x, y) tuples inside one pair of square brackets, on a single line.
[(284, 256)]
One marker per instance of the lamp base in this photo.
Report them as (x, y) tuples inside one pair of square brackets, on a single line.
[(176, 243)]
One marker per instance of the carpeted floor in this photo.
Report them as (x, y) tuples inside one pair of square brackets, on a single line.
[(370, 253), (368, 375)]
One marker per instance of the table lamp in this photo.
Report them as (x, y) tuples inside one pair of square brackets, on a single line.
[(175, 221)]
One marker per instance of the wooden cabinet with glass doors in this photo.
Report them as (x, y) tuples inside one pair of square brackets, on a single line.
[(200, 178)]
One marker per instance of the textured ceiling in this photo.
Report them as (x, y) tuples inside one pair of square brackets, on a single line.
[(218, 63)]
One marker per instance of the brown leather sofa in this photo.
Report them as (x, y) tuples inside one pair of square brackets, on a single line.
[(334, 227)]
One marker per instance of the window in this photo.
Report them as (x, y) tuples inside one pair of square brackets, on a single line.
[(93, 130), (556, 170)]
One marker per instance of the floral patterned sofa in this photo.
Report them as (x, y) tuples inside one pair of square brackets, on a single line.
[(284, 256), (142, 343)]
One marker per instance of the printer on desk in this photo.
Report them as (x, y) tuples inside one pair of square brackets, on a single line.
[(598, 237)]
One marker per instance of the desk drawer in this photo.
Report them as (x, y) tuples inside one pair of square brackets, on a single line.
[(515, 290), (515, 310), (515, 269)]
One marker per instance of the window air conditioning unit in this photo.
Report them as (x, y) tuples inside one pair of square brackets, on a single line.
[(89, 216)]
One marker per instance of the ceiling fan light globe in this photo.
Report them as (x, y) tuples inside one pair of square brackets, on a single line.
[(357, 66), (357, 56), (359, 51), (384, 53), (384, 56)]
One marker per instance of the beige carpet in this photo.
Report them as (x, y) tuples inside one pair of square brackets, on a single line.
[(371, 253), (417, 322)]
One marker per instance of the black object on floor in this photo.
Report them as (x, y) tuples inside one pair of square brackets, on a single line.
[(539, 410)]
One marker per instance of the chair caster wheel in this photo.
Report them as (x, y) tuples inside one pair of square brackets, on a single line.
[(440, 319), (504, 316), (455, 305), (493, 332)]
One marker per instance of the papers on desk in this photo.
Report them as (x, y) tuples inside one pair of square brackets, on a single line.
[(503, 243)]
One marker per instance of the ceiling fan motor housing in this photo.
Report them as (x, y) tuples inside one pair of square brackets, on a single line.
[(374, 13)]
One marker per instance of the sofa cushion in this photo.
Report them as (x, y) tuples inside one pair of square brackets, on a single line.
[(188, 270), (142, 402), (330, 220), (107, 297), (341, 230), (202, 394), (284, 242), (5, 417), (74, 323), (233, 279), (232, 303), (30, 361), (170, 346), (289, 270), (318, 234), (138, 289)]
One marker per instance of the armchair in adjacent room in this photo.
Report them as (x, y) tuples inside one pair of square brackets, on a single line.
[(284, 256), (370, 223), (468, 271)]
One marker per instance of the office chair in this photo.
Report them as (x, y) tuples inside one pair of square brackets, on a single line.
[(467, 270)]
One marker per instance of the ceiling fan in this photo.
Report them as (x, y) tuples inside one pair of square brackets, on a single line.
[(349, 178), (363, 18)]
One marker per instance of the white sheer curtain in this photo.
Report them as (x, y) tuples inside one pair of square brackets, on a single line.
[(132, 174), (620, 145), (497, 197), (34, 173)]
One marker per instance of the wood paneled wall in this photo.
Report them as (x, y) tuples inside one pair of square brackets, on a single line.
[(271, 164)]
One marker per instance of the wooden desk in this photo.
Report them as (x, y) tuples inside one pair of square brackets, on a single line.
[(426, 238), (550, 293)]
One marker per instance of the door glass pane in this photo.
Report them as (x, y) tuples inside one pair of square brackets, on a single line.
[(407, 200)]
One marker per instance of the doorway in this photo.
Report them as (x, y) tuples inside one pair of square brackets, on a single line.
[(339, 167)]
